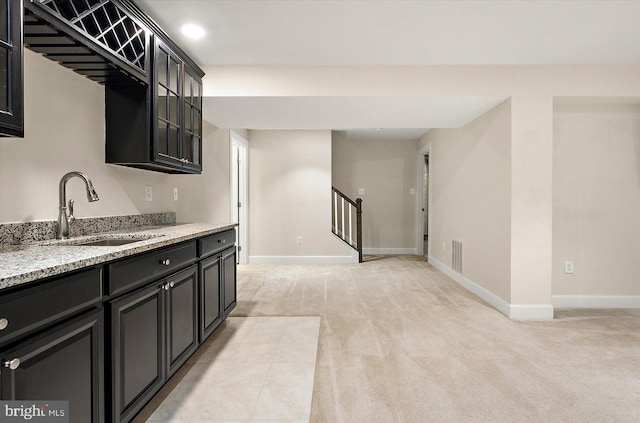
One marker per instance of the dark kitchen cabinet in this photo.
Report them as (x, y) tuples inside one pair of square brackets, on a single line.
[(217, 281), (11, 69), (217, 290), (182, 307), (153, 332), (157, 127), (137, 351), (210, 288), (101, 39), (229, 280), (64, 363)]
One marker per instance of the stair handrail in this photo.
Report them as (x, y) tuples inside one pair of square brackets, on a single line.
[(338, 225)]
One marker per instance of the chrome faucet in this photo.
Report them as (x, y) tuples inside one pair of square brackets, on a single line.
[(64, 220)]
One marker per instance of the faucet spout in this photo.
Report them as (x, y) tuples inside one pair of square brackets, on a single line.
[(62, 231)]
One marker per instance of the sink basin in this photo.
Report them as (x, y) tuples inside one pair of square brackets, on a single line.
[(108, 242)]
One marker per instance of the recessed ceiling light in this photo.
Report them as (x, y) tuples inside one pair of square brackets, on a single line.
[(193, 31)]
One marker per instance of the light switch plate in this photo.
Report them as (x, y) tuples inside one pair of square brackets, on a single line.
[(175, 194), (148, 193), (360, 191)]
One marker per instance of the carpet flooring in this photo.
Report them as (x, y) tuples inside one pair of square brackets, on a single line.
[(401, 342)]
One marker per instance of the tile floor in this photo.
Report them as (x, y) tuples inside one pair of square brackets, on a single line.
[(253, 369)]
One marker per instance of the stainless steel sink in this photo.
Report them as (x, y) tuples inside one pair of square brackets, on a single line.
[(108, 242)]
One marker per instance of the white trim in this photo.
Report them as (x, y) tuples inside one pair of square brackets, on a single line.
[(420, 192), (514, 312), (531, 312), (500, 304), (596, 301), (389, 251), (303, 259)]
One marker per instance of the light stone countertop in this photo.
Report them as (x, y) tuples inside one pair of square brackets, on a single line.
[(24, 263)]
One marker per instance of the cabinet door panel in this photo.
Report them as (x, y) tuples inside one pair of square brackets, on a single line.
[(62, 364), (11, 69), (210, 311), (229, 278), (137, 338), (181, 317)]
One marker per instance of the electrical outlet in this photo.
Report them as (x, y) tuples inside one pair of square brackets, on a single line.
[(175, 194), (148, 193), (360, 191), (299, 240), (412, 191), (444, 245), (568, 267)]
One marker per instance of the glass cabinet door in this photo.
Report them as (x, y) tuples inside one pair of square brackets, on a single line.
[(11, 62), (192, 136), (168, 106)]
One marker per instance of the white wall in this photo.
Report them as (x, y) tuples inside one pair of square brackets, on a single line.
[(470, 197), (531, 89), (596, 197), (387, 171), (290, 196), (64, 131)]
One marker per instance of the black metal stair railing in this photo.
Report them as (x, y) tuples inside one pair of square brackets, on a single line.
[(346, 220)]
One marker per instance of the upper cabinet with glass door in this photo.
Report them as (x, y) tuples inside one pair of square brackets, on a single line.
[(11, 73)]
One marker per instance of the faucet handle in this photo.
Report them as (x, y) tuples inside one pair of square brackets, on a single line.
[(71, 217)]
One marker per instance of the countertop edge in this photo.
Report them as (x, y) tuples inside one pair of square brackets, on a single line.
[(82, 257)]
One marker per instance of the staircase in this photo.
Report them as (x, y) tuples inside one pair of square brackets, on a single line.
[(346, 220)]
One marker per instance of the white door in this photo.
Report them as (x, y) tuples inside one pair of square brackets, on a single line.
[(239, 194)]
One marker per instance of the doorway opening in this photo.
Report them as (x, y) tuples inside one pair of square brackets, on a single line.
[(423, 202), (425, 207), (240, 194)]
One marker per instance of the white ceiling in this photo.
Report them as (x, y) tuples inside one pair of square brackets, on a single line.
[(345, 32)]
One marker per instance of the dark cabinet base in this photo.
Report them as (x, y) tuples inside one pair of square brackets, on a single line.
[(61, 364)]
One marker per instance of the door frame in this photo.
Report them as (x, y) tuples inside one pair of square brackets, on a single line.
[(423, 151), (243, 185)]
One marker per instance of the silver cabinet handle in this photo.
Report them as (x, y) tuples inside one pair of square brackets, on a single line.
[(166, 287), (12, 364), (224, 241), (172, 284), (165, 262), (4, 323)]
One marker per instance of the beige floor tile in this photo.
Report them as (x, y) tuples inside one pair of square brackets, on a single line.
[(228, 403), (291, 375), (296, 353), (278, 403)]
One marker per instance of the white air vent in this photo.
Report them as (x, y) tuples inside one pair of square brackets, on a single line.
[(456, 259)]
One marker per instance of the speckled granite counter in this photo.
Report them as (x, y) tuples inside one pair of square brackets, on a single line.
[(24, 263)]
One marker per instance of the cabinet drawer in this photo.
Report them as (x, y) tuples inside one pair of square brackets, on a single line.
[(47, 302), (216, 242), (138, 270)]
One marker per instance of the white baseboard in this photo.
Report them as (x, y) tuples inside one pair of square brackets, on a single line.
[(531, 312), (501, 305), (389, 251), (512, 311), (303, 259), (596, 301)]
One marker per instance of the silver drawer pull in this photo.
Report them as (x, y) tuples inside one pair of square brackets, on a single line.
[(172, 284), (12, 364), (4, 323), (224, 241), (165, 262)]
